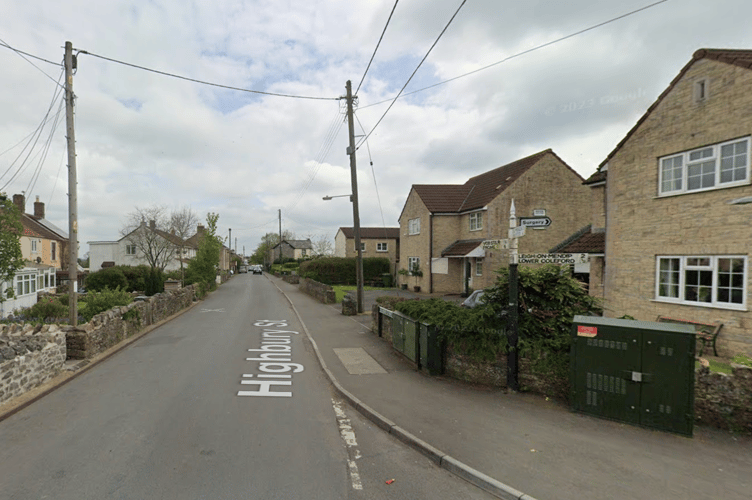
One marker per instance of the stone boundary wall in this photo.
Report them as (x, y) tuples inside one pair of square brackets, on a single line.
[(319, 291), (29, 356), (293, 279), (111, 327)]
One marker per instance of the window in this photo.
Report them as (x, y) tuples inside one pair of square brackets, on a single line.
[(26, 284), (413, 263), (413, 226), (476, 221), (479, 267), (700, 90), (382, 247), (711, 167), (33, 246), (703, 280), (53, 250), (362, 247), (130, 250)]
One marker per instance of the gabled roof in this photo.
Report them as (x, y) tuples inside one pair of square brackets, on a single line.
[(62, 235), (373, 233), (741, 58), (460, 248), (302, 244), (480, 190), (583, 241), (32, 227)]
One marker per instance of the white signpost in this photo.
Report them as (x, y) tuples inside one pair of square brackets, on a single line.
[(496, 244), (553, 258)]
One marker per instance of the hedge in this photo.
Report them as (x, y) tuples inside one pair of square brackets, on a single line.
[(341, 270)]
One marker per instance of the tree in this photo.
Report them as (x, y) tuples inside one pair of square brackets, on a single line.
[(262, 255), (182, 222), (322, 246), (11, 258), (202, 269), (148, 229)]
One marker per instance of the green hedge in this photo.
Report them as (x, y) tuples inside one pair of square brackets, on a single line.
[(341, 270)]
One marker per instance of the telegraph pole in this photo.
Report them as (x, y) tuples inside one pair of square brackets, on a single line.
[(280, 235), (70, 63), (356, 212)]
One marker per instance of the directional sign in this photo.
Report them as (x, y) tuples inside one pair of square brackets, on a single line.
[(553, 258), (517, 232), (496, 245), (535, 221)]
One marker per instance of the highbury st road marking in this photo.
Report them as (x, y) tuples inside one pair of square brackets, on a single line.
[(275, 361)]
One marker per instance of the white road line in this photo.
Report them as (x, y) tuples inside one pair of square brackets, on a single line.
[(348, 436)]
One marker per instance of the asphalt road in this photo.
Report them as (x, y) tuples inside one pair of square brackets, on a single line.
[(188, 412)]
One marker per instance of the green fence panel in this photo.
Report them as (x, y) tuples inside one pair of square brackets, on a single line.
[(398, 332), (411, 340)]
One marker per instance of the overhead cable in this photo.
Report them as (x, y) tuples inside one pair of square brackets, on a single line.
[(164, 73), (411, 76), (24, 54), (377, 47), (523, 52)]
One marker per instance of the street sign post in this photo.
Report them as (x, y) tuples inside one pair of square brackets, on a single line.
[(553, 258), (517, 232), (535, 221), (496, 244)]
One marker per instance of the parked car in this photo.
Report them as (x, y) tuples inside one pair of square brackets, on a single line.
[(242, 269), (475, 299), (257, 269)]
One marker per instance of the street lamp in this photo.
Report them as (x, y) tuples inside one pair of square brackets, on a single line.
[(359, 258)]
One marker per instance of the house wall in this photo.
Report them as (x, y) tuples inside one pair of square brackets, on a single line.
[(43, 251), (446, 230), (642, 226), (339, 244), (416, 245), (114, 251)]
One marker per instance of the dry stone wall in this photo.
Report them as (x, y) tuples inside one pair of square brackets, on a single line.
[(319, 291), (29, 356)]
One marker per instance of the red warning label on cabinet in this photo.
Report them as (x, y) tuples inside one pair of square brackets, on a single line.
[(587, 331)]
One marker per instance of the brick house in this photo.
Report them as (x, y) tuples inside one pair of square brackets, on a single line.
[(677, 228), (375, 241), (442, 226)]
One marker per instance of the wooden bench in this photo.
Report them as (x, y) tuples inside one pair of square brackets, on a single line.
[(706, 332)]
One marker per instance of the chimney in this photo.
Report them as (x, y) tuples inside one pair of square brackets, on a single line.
[(39, 209), (152, 224), (200, 229), (20, 201)]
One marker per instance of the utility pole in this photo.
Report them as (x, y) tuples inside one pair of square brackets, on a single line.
[(280, 235), (356, 212), (513, 321), (70, 64)]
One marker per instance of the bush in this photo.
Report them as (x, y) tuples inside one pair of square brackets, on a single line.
[(110, 277), (341, 270), (97, 302), (136, 276), (47, 310), (154, 282)]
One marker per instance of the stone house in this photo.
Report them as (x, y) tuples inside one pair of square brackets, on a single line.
[(443, 226), (291, 249), (375, 242), (677, 227)]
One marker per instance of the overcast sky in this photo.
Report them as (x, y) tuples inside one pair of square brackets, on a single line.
[(145, 139)]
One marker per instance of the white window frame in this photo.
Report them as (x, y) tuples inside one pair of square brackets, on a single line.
[(681, 163), (476, 221), (698, 264), (479, 267), (53, 251), (26, 284), (382, 247), (410, 261), (413, 226), (130, 249), (34, 245), (362, 246)]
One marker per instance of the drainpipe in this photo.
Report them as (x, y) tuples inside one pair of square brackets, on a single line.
[(430, 252)]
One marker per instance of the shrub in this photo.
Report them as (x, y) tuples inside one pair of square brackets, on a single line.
[(97, 302), (154, 282), (110, 277), (47, 310), (341, 270), (136, 276)]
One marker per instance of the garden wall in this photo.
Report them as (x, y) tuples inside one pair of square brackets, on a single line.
[(111, 327), (29, 356), (319, 291)]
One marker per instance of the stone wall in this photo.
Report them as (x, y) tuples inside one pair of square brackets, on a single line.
[(111, 327), (319, 291), (293, 279), (724, 401), (29, 356)]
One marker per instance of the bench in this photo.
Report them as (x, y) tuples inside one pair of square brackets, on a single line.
[(706, 332)]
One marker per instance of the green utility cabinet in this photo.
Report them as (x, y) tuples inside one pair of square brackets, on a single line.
[(398, 332), (431, 349), (638, 372)]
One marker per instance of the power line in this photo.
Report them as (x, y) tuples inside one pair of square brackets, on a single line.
[(523, 52), (23, 54), (411, 76), (377, 47), (46, 148), (373, 173), (164, 73)]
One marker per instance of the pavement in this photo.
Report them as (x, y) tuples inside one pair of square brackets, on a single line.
[(515, 445)]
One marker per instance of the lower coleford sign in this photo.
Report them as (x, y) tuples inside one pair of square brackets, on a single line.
[(553, 258)]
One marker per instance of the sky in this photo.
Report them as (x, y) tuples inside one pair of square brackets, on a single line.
[(146, 139)]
